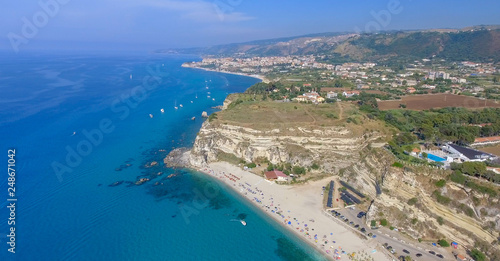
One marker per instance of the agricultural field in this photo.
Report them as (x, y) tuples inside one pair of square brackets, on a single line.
[(442, 100), (495, 150)]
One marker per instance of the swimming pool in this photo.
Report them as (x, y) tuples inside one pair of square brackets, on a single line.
[(435, 158)]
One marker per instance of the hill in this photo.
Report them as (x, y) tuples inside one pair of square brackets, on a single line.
[(480, 44)]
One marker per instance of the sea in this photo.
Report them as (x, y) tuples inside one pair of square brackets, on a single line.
[(83, 129)]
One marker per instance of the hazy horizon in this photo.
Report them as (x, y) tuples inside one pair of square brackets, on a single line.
[(131, 25)]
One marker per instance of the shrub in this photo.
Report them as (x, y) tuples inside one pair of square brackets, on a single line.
[(467, 210), (440, 183), (414, 221), (440, 198), (270, 167), (477, 255), (412, 201), (440, 220), (373, 223), (397, 165), (212, 117), (298, 170), (384, 222), (314, 166), (251, 165), (457, 177), (443, 243)]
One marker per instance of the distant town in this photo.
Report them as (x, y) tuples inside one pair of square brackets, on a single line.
[(419, 77)]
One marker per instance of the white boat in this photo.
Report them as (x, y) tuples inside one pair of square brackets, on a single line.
[(180, 105), (208, 96), (194, 118), (243, 222), (130, 77), (191, 101), (213, 99), (162, 110), (208, 92), (175, 106), (151, 115)]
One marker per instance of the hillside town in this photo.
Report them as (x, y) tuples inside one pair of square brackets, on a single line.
[(418, 77)]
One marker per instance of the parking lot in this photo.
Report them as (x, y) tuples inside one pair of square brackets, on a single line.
[(390, 240)]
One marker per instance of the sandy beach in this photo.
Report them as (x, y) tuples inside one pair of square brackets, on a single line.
[(257, 76), (299, 209)]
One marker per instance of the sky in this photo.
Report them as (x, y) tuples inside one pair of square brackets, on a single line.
[(159, 24)]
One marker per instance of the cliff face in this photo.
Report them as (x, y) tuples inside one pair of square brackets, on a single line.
[(403, 196), (334, 147)]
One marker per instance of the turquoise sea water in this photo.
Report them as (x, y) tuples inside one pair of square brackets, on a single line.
[(88, 116)]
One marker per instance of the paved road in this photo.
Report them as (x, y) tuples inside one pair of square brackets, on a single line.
[(384, 235)]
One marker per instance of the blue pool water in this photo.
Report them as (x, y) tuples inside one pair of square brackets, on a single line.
[(435, 158), (81, 123)]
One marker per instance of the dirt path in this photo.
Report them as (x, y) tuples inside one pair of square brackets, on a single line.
[(309, 114), (341, 111)]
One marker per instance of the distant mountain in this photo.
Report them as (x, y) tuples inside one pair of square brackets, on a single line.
[(479, 43)]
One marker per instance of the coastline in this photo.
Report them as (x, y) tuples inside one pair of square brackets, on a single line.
[(257, 76), (296, 208), (300, 207)]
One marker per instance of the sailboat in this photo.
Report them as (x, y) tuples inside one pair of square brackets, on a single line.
[(175, 107), (151, 115), (130, 77), (162, 110)]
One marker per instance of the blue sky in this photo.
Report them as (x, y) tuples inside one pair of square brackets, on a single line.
[(153, 24)]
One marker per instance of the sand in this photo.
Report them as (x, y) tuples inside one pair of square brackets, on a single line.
[(302, 206), (257, 76)]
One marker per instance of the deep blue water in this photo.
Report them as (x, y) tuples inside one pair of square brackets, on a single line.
[(81, 123)]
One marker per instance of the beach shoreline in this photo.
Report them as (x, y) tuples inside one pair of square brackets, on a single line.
[(300, 211), (256, 76)]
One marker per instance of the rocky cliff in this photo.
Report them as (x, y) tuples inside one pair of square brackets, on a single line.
[(334, 147), (404, 196)]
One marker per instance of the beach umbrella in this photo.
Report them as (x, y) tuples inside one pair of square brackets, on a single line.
[(289, 223)]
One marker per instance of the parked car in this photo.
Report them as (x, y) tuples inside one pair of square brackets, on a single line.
[(356, 226), (363, 230), (440, 256), (406, 251), (361, 214), (418, 255), (432, 252)]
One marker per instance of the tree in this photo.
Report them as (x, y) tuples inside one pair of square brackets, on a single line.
[(383, 222), (443, 243), (477, 255), (424, 155), (270, 167)]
